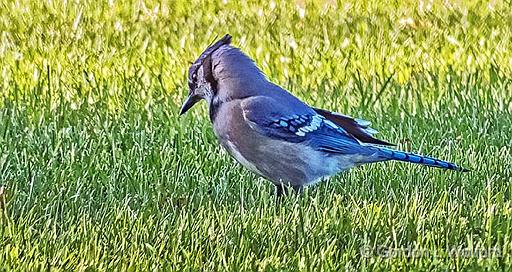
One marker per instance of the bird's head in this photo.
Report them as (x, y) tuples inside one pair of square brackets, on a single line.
[(223, 73), (201, 80)]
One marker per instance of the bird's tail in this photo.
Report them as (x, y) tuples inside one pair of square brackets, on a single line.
[(390, 154)]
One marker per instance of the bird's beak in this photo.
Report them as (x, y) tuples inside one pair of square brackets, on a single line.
[(190, 101)]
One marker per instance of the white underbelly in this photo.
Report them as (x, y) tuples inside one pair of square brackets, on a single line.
[(331, 165), (315, 165)]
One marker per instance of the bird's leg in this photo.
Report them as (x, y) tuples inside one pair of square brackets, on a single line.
[(283, 189)]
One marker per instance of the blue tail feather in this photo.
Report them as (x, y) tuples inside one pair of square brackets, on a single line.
[(391, 154)]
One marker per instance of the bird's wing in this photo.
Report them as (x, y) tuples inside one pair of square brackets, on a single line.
[(358, 128), (298, 125)]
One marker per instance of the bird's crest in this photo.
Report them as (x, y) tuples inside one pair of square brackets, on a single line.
[(223, 41)]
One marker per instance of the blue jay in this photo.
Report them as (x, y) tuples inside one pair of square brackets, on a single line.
[(276, 135)]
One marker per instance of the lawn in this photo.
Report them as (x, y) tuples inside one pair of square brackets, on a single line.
[(100, 173)]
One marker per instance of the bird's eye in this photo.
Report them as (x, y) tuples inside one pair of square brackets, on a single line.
[(194, 76)]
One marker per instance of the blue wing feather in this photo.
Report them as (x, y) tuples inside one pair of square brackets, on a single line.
[(302, 125), (358, 128)]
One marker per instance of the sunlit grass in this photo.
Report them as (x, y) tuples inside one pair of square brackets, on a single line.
[(101, 174)]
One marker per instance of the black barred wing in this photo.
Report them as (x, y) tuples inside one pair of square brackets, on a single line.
[(306, 127)]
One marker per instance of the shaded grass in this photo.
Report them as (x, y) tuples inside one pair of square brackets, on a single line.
[(101, 173)]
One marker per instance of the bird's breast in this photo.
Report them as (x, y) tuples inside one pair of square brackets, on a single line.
[(233, 150)]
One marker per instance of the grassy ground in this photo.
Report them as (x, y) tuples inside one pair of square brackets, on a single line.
[(101, 174)]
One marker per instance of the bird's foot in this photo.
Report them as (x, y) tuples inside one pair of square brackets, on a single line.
[(284, 190)]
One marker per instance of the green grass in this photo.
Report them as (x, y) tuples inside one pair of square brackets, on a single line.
[(102, 174)]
